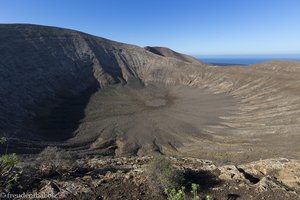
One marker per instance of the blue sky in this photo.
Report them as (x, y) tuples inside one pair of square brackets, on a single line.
[(197, 27)]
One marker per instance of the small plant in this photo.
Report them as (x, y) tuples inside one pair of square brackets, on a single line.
[(195, 188), (9, 172), (209, 197), (2, 140), (174, 194)]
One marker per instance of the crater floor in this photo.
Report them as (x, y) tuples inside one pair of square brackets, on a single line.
[(160, 118), (143, 119)]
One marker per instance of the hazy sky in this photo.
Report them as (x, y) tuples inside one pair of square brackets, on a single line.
[(198, 27)]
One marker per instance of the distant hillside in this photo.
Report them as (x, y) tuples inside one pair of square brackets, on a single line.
[(166, 52)]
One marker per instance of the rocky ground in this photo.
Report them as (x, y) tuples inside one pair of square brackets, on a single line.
[(126, 178)]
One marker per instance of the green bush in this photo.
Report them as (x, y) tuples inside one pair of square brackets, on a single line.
[(9, 172), (174, 194)]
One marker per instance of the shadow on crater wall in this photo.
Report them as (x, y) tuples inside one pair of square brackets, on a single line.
[(61, 123)]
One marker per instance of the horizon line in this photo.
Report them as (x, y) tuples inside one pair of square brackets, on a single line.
[(284, 55)]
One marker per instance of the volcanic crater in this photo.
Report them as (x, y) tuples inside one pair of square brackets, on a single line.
[(90, 94)]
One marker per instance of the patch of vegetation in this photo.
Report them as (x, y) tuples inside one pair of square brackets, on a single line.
[(174, 194), (162, 176), (209, 197), (195, 188), (9, 172), (52, 161)]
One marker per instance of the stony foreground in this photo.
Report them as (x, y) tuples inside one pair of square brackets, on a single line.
[(125, 178)]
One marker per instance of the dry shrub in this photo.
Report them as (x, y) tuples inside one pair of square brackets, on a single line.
[(162, 175), (53, 160)]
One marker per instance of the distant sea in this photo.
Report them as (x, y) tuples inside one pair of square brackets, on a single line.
[(242, 60)]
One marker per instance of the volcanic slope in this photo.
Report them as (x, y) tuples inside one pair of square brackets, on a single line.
[(71, 89), (166, 52)]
